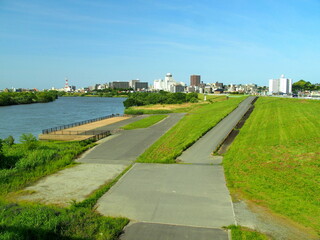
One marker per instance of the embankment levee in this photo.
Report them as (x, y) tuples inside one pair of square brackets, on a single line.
[(90, 129), (203, 148)]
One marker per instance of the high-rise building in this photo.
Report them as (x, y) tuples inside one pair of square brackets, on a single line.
[(167, 84), (140, 86), (195, 80), (133, 82), (119, 85), (280, 86)]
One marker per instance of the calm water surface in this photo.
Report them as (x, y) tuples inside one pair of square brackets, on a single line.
[(32, 118)]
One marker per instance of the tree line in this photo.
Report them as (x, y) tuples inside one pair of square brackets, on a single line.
[(162, 97), (98, 93), (303, 85), (14, 98)]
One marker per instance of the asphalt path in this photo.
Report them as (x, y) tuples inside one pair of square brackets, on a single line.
[(201, 151), (177, 201), (152, 231), (125, 146)]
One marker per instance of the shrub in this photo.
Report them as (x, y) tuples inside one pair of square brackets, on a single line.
[(9, 141), (29, 141)]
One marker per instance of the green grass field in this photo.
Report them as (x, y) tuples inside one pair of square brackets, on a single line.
[(188, 130), (145, 122), (275, 159)]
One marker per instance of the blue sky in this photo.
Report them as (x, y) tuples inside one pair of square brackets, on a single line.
[(95, 41)]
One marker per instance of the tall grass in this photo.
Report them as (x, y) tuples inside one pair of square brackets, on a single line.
[(188, 130), (21, 165), (43, 222), (274, 160)]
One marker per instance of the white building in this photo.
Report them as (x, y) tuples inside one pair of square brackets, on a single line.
[(168, 84), (282, 85)]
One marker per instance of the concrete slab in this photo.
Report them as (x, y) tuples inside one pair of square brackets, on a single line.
[(151, 231), (192, 195), (74, 183)]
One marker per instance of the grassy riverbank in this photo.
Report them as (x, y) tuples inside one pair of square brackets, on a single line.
[(189, 129), (274, 161), (145, 122), (35, 221), (23, 164)]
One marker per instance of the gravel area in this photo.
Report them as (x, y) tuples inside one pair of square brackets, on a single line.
[(74, 183), (258, 218)]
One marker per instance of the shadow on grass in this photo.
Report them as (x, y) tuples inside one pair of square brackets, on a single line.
[(26, 233)]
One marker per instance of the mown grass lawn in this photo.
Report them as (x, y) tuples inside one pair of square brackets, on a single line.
[(275, 159), (189, 129), (145, 122)]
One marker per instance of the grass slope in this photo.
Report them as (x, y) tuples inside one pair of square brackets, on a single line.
[(22, 164), (43, 222), (145, 122), (188, 130), (275, 161)]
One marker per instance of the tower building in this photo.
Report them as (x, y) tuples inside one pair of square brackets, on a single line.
[(195, 80)]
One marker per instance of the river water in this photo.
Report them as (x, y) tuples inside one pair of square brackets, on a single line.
[(32, 118)]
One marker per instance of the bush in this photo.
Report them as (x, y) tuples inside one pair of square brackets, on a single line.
[(9, 141), (29, 141), (147, 98), (1, 144)]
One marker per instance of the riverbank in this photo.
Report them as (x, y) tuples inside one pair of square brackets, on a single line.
[(17, 98), (33, 118)]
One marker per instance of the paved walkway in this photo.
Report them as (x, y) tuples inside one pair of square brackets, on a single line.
[(193, 196), (126, 146), (201, 151), (101, 164)]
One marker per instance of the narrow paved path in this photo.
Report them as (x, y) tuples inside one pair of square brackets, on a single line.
[(126, 146), (178, 201), (201, 151)]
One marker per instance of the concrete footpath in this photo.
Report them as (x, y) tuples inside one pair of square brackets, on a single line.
[(201, 151), (100, 164), (177, 201)]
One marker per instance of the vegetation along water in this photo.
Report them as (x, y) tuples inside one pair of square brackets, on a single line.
[(15, 98), (32, 118), (274, 161)]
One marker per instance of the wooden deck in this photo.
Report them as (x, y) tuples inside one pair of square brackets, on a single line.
[(81, 132)]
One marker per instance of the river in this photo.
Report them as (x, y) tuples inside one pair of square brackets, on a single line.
[(32, 118)]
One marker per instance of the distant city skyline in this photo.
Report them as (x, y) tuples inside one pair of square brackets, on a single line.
[(42, 42)]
